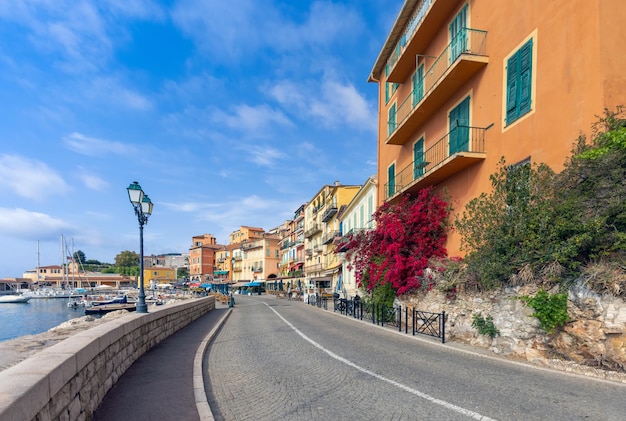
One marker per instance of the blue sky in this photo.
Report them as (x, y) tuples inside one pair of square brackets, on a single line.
[(227, 113)]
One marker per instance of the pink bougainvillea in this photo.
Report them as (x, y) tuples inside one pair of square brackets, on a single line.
[(407, 234)]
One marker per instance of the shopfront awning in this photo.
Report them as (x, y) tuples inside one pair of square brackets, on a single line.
[(220, 272)]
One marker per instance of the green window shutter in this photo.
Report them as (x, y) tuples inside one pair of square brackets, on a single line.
[(526, 58), (459, 127), (418, 85), (391, 122), (391, 176), (458, 34), (418, 159), (519, 82)]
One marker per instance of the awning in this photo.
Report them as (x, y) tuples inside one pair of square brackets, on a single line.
[(239, 284), (220, 272), (252, 284)]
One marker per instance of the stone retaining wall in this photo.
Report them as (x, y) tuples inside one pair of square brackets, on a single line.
[(592, 343), (69, 380)]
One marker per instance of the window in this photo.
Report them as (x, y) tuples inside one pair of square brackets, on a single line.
[(391, 176), (518, 82), (418, 85), (458, 35), (459, 127), (390, 88), (392, 120), (418, 159)]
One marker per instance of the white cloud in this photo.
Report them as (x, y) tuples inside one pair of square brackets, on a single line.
[(93, 182), (28, 225), (30, 178), (253, 120), (96, 147), (330, 102), (265, 155)]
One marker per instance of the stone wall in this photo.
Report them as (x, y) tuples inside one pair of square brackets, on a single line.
[(592, 343), (69, 380)]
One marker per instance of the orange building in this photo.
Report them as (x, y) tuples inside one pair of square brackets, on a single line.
[(202, 259), (463, 83)]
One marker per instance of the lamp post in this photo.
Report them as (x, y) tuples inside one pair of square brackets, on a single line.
[(143, 209), (232, 268)]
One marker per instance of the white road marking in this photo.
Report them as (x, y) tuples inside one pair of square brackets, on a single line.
[(440, 402)]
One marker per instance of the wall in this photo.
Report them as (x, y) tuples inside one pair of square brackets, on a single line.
[(592, 343), (69, 380)]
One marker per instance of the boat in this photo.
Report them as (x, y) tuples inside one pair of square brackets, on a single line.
[(120, 299), (103, 309), (14, 298)]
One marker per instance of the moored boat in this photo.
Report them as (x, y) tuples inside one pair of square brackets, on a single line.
[(14, 298), (103, 309)]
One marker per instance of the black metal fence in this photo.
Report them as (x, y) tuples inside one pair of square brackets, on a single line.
[(422, 322), (317, 300)]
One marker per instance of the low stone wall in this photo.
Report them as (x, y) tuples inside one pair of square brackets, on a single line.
[(69, 380), (592, 343)]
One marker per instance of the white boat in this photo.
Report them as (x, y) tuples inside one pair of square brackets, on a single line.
[(14, 298)]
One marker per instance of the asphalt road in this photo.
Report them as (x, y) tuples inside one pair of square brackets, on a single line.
[(276, 359)]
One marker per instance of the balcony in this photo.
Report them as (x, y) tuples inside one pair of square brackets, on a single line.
[(420, 28), (459, 62), (257, 269), (308, 252), (317, 249), (313, 268), (329, 237), (329, 213), (286, 244), (252, 245), (315, 228), (437, 163)]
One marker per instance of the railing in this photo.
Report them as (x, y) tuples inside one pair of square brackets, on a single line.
[(405, 39), (309, 252), (313, 268), (329, 213), (431, 159), (467, 41), (317, 300), (328, 237), (315, 228), (423, 322), (286, 244)]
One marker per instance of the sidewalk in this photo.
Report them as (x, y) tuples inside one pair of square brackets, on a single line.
[(160, 384)]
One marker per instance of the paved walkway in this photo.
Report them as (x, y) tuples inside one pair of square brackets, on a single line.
[(160, 384)]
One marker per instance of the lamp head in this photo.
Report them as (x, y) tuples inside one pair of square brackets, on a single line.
[(146, 205), (135, 194)]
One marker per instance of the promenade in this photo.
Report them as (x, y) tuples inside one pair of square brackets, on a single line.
[(159, 385)]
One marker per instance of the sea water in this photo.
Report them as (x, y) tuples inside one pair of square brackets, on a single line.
[(35, 316)]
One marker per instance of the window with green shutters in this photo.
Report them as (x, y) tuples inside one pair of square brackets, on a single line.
[(418, 159), (459, 127), (518, 82), (391, 121), (458, 34), (418, 85), (391, 176)]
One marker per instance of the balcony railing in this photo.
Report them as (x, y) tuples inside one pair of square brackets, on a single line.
[(458, 149), (252, 245), (459, 61), (329, 213), (330, 236), (313, 268), (286, 244), (409, 31), (309, 252), (315, 228)]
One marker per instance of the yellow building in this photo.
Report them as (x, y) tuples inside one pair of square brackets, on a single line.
[(464, 83), (154, 276), (321, 227)]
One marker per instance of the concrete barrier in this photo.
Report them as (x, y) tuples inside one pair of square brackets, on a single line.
[(69, 380)]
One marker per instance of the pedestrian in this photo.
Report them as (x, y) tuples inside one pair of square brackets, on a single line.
[(289, 293)]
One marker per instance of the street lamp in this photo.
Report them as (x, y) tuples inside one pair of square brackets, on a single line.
[(232, 268), (143, 209)]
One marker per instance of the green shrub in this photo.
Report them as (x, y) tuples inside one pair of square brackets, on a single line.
[(550, 310), (485, 326)]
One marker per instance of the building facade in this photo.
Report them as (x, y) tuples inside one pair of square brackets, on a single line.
[(357, 216), (321, 265), (202, 257), (464, 83)]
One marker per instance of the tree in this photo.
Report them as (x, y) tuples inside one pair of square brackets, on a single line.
[(79, 256), (182, 272), (396, 252), (127, 259)]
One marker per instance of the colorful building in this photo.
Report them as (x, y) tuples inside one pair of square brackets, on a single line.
[(202, 260), (464, 83)]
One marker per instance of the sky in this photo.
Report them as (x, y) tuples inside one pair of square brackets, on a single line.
[(227, 113)]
